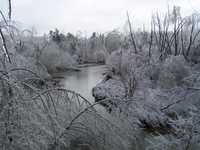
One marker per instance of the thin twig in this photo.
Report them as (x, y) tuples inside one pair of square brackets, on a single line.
[(5, 49), (131, 33)]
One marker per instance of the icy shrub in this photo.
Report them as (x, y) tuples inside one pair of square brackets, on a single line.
[(19, 62), (108, 89), (65, 60), (173, 71), (113, 61), (100, 56), (195, 55), (113, 41), (152, 72), (53, 58), (129, 67), (121, 61)]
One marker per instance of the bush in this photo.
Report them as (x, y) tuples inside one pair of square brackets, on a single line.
[(113, 41), (100, 56), (113, 61), (53, 58), (173, 71)]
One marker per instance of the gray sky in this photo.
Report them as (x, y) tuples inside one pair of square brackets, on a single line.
[(90, 15)]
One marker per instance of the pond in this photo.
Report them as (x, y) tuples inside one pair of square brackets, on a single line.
[(83, 81)]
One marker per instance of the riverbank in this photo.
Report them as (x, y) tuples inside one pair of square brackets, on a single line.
[(108, 88), (60, 72), (89, 65)]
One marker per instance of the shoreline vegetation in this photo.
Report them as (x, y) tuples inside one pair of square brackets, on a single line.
[(151, 90)]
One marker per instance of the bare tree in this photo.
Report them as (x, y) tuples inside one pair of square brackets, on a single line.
[(131, 34), (9, 9), (5, 49), (151, 40)]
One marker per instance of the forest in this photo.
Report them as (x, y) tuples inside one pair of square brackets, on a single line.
[(150, 90)]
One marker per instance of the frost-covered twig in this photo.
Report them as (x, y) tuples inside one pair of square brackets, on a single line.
[(5, 49), (9, 9)]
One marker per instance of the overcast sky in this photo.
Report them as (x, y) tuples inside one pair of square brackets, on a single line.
[(90, 15)]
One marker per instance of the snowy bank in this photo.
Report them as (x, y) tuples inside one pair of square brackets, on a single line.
[(111, 88)]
